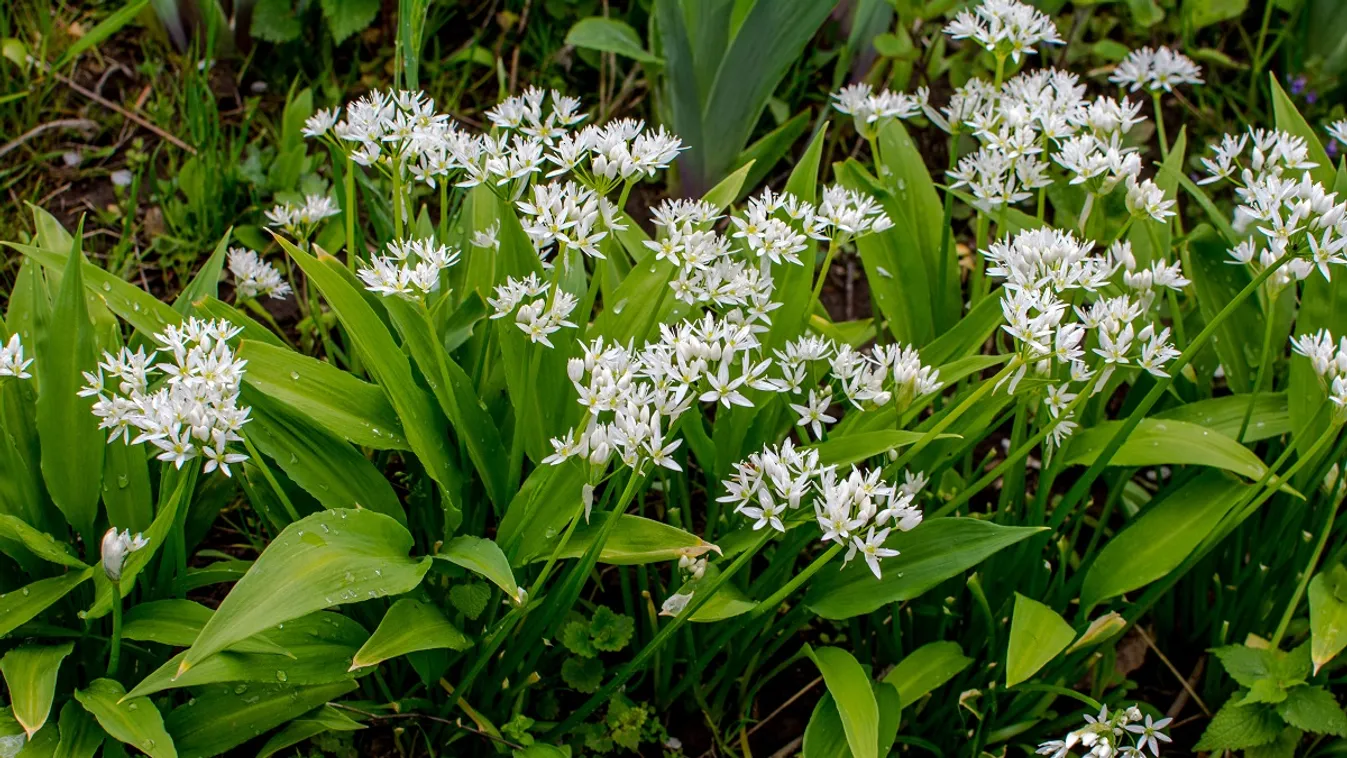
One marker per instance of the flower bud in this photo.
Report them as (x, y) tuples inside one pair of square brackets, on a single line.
[(117, 547)]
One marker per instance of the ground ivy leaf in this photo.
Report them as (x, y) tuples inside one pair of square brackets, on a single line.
[(346, 17), (1237, 727), (470, 598), (575, 636), (611, 631), (582, 674), (1314, 709), (274, 21)]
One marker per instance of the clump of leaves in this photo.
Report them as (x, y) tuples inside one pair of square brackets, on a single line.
[(1275, 705), (606, 632), (626, 725)]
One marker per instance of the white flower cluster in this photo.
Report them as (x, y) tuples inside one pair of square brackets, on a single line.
[(1281, 208), (302, 220), (1338, 131), (1156, 70), (566, 216), (1040, 266), (1005, 28), (12, 362), (408, 268), (870, 109), (603, 157), (195, 412), (254, 276), (1120, 734), (857, 511), (1329, 359), (538, 316)]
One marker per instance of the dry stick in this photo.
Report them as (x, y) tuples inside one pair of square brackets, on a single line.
[(803, 691), (428, 717), (83, 124), (106, 103), (1165, 660), (1182, 699)]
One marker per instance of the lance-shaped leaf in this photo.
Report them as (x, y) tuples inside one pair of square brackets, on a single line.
[(322, 719), (855, 699), (926, 668), (17, 607), (38, 543), (177, 622), (1158, 442), (633, 541), (484, 557), (327, 559), (1037, 635), (410, 625), (81, 736), (222, 718), (1328, 615), (134, 721), (30, 674)]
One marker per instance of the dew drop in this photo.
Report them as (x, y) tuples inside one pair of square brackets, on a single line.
[(25, 592), (281, 676), (239, 690), (107, 286)]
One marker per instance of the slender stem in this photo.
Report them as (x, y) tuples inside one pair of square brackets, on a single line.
[(271, 479), (947, 217), (822, 274), (444, 209), (1160, 124), (975, 281), (1257, 72), (949, 418), (397, 202), (1101, 461), (776, 598), (1309, 568), (114, 657), (1263, 362), (349, 181), (699, 598)]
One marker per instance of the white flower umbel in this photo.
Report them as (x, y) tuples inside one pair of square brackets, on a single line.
[(1118, 734), (117, 547), (537, 313), (1338, 131), (12, 362), (301, 221), (870, 110), (1006, 28), (1156, 70), (564, 216), (409, 268), (1329, 359), (194, 412), (254, 277)]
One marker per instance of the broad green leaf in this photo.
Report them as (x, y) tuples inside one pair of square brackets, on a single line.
[(346, 17), (540, 511), (210, 307), (724, 193), (421, 420), (410, 625), (1037, 635), (206, 283), (853, 696), (127, 495), (176, 623), (483, 557), (1200, 13), (634, 540), (1161, 537), (310, 454), (1238, 727), (1157, 442), (1101, 630), (457, 397), (928, 555), (134, 721), (1313, 709), (1238, 339), (728, 602), (327, 559), (38, 543), (20, 606), (825, 737), (967, 336), (317, 649), (844, 450), (72, 444), (1271, 416), (925, 669), (30, 675), (323, 719), (218, 719), (1328, 615), (341, 403), (609, 35), (81, 736)]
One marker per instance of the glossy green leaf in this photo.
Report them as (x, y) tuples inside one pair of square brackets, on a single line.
[(844, 450), (421, 420), (1271, 415), (323, 719), (609, 35), (176, 623), (310, 454), (81, 736), (22, 605), (933, 552), (825, 737), (72, 444), (926, 668), (410, 625), (341, 403), (220, 718), (728, 602), (134, 721), (1328, 615), (1157, 442), (853, 696), (211, 307), (634, 540), (1288, 119), (316, 649), (38, 543), (1037, 635), (1161, 537), (127, 495), (327, 559), (30, 675), (173, 496), (483, 557)]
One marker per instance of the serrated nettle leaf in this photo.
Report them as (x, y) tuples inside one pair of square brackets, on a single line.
[(1037, 635), (408, 626), (133, 721), (1328, 615), (327, 559)]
